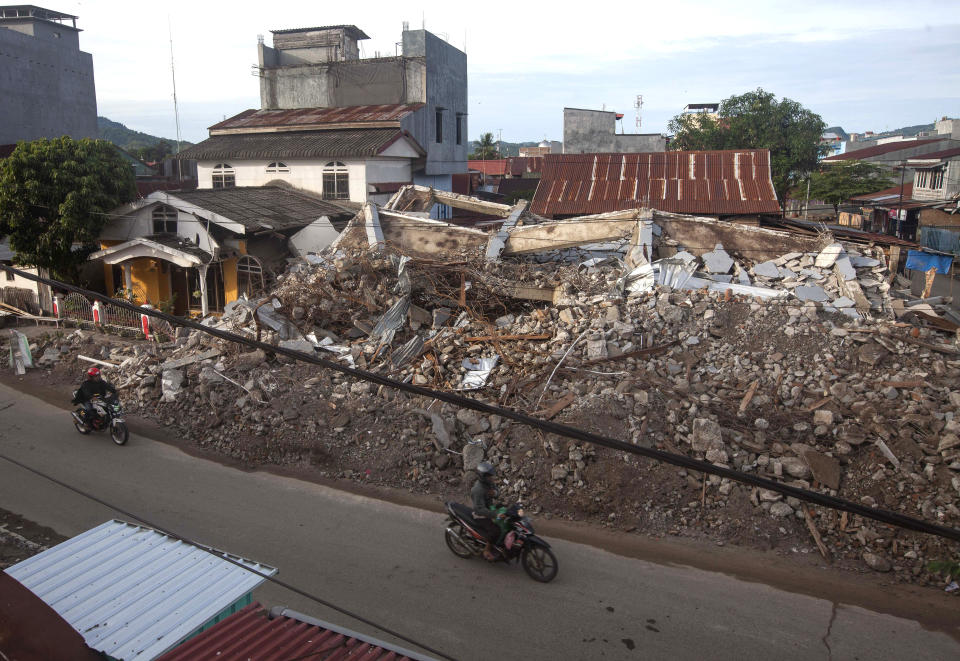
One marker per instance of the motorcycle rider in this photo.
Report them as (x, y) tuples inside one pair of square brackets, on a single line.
[(94, 386), (482, 495)]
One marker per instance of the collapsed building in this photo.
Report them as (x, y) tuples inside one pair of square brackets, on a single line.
[(797, 357)]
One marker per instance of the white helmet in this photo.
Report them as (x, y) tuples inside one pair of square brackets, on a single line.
[(486, 469)]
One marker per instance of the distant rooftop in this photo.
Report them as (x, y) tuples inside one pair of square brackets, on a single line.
[(32, 11), (351, 30), (697, 107)]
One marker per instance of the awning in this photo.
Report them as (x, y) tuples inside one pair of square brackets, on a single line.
[(186, 256)]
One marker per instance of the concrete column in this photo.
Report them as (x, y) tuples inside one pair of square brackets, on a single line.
[(128, 276), (204, 305)]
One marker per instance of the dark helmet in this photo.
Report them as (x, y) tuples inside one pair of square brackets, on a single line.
[(93, 372), (486, 470)]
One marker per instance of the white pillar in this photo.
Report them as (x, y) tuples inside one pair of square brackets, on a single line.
[(204, 306), (128, 277)]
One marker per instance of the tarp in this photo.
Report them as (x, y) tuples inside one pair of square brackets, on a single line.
[(942, 240), (917, 260)]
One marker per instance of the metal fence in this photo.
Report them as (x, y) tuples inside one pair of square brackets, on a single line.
[(24, 299), (114, 315), (77, 307)]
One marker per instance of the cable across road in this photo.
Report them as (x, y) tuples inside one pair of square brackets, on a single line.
[(547, 426)]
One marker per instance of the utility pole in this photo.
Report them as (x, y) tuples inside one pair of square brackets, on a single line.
[(499, 138), (806, 204), (900, 201), (176, 111)]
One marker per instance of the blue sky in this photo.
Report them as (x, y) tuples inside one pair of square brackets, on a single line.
[(865, 66)]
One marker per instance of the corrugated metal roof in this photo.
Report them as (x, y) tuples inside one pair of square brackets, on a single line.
[(515, 166), (317, 116), (252, 634), (711, 182), (133, 592), (880, 150), (263, 207), (353, 30), (343, 143), (885, 194), (945, 153), (492, 167)]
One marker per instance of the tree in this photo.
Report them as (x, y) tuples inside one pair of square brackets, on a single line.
[(486, 148), (55, 193), (838, 182), (756, 120), (154, 153)]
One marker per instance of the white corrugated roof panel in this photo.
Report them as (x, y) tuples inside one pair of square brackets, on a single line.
[(133, 592)]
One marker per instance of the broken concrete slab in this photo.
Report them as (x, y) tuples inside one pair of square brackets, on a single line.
[(843, 302), (767, 270), (845, 269), (828, 256), (706, 435), (189, 360), (717, 261), (810, 293), (826, 470)]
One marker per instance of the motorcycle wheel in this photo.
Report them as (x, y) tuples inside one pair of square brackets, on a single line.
[(119, 433), (82, 428), (454, 538), (540, 563)]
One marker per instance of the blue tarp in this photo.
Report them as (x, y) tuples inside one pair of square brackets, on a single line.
[(918, 260)]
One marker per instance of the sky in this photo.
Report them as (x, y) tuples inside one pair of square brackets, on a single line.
[(874, 65)]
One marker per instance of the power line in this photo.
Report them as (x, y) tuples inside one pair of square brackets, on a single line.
[(213, 552), (567, 431)]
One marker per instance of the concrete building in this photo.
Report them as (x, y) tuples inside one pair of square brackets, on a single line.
[(711, 110), (322, 68), (937, 175), (545, 147), (46, 81), (948, 127), (894, 155), (594, 131)]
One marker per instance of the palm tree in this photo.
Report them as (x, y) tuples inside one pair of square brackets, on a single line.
[(486, 148)]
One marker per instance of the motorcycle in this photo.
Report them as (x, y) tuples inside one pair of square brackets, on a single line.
[(105, 413), (520, 544)]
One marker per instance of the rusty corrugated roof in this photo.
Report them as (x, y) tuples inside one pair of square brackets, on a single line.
[(709, 182), (885, 194), (310, 117), (943, 154), (491, 167), (251, 633)]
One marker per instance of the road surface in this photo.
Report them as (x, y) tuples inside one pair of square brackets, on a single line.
[(389, 563)]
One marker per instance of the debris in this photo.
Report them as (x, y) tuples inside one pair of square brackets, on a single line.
[(745, 402), (478, 371), (561, 404), (189, 360), (818, 540)]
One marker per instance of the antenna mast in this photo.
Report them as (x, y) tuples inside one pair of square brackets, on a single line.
[(176, 110), (638, 105)]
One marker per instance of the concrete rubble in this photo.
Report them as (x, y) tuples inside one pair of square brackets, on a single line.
[(782, 371)]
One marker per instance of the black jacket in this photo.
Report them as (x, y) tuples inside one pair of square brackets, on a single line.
[(92, 388), (482, 495)]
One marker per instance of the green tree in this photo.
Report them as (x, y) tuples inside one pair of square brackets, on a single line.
[(757, 120), (838, 182), (486, 148), (156, 152), (54, 193)]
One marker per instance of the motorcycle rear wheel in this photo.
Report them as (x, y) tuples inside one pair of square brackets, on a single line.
[(540, 563), (119, 433), (454, 538)]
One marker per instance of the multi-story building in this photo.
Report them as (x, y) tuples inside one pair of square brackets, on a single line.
[(343, 126), (46, 81), (595, 131)]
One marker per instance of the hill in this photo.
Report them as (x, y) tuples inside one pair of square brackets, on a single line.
[(128, 139), (507, 149)]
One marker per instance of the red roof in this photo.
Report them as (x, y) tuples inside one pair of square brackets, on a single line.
[(946, 153), (497, 167), (301, 118), (710, 182), (886, 193), (251, 633), (880, 150)]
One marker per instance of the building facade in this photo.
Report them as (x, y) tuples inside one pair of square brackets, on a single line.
[(322, 68), (46, 81)]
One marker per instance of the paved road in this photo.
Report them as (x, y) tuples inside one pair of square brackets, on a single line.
[(389, 563)]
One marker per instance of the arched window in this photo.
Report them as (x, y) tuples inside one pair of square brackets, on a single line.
[(164, 220), (224, 176), (336, 181), (277, 167), (249, 276)]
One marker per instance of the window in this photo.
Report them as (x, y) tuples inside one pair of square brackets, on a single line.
[(459, 129), (249, 276), (277, 167), (936, 179), (164, 220), (439, 125), (224, 176), (336, 181)]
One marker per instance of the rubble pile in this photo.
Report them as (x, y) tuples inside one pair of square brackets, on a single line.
[(795, 386)]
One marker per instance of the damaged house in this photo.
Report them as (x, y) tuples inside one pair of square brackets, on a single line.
[(198, 250)]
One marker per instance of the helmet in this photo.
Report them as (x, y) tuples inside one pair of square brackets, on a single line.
[(93, 372), (486, 469)]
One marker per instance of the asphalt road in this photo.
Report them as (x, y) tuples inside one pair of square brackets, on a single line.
[(389, 563)]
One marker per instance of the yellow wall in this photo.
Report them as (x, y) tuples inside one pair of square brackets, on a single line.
[(230, 292)]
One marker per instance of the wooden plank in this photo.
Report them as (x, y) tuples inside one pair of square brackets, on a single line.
[(904, 384), (563, 403), (98, 362), (818, 404), (816, 533), (529, 336), (745, 402)]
